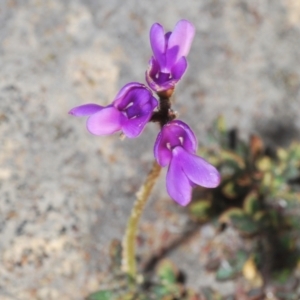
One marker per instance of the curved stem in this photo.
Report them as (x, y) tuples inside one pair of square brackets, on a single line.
[(128, 255)]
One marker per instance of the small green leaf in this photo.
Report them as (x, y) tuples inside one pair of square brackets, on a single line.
[(264, 164), (262, 219), (282, 276), (220, 124), (200, 210), (210, 294), (240, 220), (225, 271), (286, 296), (251, 203), (241, 258), (167, 271), (101, 295), (245, 224), (282, 154), (229, 190), (230, 269), (231, 158), (293, 221), (227, 215)]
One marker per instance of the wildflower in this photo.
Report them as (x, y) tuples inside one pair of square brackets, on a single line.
[(129, 112), (176, 146), (168, 63)]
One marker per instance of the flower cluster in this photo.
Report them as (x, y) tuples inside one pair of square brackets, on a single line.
[(130, 112), (135, 106), (168, 63)]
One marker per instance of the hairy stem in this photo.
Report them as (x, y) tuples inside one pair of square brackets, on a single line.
[(128, 259)]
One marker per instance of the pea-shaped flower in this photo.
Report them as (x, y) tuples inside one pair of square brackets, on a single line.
[(129, 112), (176, 146), (168, 63)]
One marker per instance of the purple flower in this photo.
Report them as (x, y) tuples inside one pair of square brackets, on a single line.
[(169, 63), (130, 112), (176, 146)]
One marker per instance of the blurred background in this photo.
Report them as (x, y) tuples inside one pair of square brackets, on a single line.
[(65, 194)]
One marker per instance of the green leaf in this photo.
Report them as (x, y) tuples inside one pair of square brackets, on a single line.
[(200, 210), (264, 164), (229, 190), (241, 258), (282, 276), (245, 224), (231, 158), (101, 295), (225, 271), (167, 272), (220, 124), (210, 294), (252, 203), (167, 285), (293, 221), (230, 269), (227, 215), (286, 296)]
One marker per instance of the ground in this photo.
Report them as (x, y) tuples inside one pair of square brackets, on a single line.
[(65, 194)]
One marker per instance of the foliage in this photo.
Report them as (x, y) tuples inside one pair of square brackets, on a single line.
[(260, 198), (164, 285)]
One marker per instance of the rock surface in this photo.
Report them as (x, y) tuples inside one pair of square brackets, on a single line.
[(65, 193)]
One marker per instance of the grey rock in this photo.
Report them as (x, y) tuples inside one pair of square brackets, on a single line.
[(64, 193)]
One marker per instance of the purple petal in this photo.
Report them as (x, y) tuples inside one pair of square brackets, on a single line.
[(158, 43), (154, 81), (153, 67), (106, 121), (139, 114), (162, 154), (134, 127), (197, 169), (179, 69), (136, 102), (175, 133), (157, 86), (182, 36), (125, 89), (171, 58), (178, 185), (153, 103), (167, 36), (85, 110)]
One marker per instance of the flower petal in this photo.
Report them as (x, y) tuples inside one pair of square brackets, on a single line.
[(171, 57), (197, 169), (138, 102), (182, 36), (134, 127), (179, 69), (158, 43), (173, 134), (106, 121), (178, 185), (139, 114), (119, 99), (162, 154), (189, 142), (85, 110), (157, 86)]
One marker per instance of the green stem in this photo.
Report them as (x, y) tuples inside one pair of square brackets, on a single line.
[(128, 259)]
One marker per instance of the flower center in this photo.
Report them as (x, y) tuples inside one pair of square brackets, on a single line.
[(163, 77), (175, 143)]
